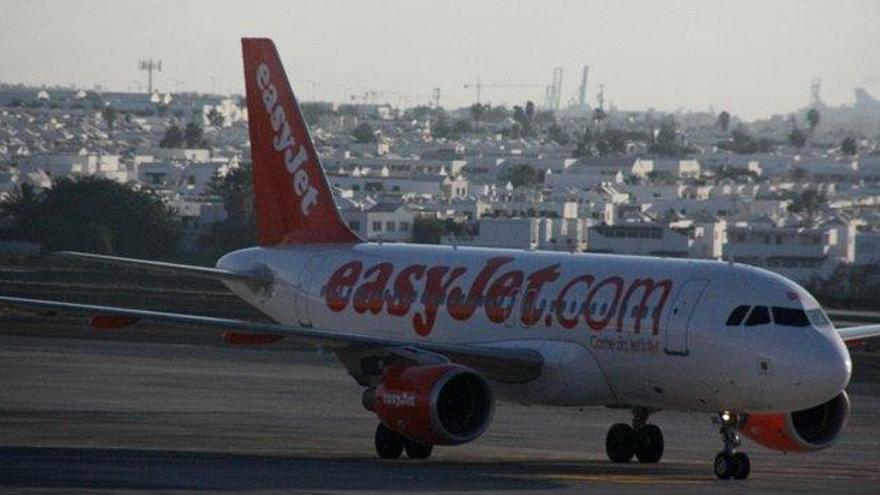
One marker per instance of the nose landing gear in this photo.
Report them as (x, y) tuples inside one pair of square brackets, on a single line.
[(729, 463), (642, 440)]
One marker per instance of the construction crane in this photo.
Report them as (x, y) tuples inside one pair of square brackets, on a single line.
[(553, 92), (479, 87)]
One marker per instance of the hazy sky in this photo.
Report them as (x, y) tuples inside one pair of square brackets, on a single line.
[(751, 57)]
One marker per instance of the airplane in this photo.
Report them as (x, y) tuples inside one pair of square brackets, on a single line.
[(436, 334)]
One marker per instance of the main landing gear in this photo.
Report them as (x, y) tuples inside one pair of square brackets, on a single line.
[(391, 445), (642, 440), (729, 463)]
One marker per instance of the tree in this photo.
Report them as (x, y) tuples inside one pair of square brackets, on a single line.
[(462, 127), (743, 143), (724, 120), (522, 175), (364, 133), (96, 214), (478, 111), (797, 138), (808, 202), (109, 114), (20, 204), (849, 146), (496, 113), (813, 119), (666, 142), (598, 116), (524, 116), (235, 190), (173, 138), (440, 127), (427, 230), (215, 118), (421, 112), (194, 136), (557, 134), (584, 144)]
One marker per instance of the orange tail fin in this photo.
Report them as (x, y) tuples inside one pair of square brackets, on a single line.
[(293, 200)]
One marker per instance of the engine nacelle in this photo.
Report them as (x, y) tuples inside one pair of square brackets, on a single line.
[(800, 431), (442, 404)]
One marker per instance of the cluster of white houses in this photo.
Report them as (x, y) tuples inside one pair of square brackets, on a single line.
[(718, 205)]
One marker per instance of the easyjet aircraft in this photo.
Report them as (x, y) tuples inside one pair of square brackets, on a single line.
[(435, 334)]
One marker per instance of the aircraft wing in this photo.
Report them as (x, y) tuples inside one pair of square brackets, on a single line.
[(504, 365), (860, 332)]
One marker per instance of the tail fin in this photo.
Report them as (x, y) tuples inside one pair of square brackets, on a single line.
[(294, 203)]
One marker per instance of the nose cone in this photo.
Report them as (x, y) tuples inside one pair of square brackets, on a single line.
[(825, 368)]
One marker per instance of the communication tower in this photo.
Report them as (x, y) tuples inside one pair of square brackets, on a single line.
[(150, 65)]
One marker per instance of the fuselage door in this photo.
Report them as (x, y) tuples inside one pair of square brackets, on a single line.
[(306, 290), (680, 315)]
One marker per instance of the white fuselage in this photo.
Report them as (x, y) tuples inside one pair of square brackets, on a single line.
[(614, 330)]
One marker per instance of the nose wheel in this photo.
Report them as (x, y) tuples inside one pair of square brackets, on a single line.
[(730, 464), (640, 440)]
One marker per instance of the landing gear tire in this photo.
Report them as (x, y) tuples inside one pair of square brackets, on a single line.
[(649, 444), (732, 466), (416, 450), (724, 466), (744, 467), (620, 443), (389, 444)]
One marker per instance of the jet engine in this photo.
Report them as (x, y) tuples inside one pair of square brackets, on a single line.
[(801, 431), (442, 404)]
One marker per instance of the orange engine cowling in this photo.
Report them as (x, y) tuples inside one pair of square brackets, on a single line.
[(800, 431), (442, 404)]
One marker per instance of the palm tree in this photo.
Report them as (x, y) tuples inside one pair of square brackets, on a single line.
[(724, 120), (813, 119), (109, 114)]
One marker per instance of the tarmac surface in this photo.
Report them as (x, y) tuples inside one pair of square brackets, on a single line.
[(84, 414)]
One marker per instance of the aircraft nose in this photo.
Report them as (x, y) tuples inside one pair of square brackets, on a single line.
[(827, 369)]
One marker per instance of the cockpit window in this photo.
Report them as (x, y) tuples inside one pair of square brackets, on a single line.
[(818, 318), (737, 315), (790, 317), (760, 315)]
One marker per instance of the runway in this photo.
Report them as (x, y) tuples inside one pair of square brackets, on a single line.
[(83, 414)]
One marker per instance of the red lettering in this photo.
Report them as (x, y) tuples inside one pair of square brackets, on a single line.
[(506, 287), (561, 305), (462, 308), (600, 324), (370, 296), (343, 278), (648, 287), (404, 294), (435, 293), (530, 313)]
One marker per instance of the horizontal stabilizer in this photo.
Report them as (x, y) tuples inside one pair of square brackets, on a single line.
[(257, 279)]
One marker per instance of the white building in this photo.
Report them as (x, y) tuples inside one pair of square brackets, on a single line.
[(388, 222)]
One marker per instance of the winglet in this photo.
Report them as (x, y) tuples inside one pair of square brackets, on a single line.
[(294, 203)]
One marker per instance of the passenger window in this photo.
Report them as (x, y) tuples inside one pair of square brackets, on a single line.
[(790, 317), (760, 315), (737, 315)]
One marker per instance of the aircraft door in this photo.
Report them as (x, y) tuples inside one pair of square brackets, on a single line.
[(306, 290), (680, 315)]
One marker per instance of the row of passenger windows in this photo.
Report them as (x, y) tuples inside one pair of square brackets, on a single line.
[(790, 317), (569, 305)]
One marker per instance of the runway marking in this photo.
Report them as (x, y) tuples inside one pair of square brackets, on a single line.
[(620, 479)]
